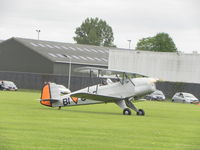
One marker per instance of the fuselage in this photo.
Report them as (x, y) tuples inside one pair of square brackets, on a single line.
[(129, 88), (123, 89)]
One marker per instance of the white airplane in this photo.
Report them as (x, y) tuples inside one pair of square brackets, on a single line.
[(122, 92)]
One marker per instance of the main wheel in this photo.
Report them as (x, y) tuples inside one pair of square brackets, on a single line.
[(140, 112), (126, 111)]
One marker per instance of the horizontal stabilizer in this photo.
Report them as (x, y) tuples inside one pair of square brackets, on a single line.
[(95, 97), (52, 100)]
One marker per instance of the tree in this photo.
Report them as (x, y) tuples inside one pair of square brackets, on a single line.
[(162, 42), (94, 31)]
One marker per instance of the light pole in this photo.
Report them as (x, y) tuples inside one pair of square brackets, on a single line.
[(38, 31), (69, 75), (129, 44)]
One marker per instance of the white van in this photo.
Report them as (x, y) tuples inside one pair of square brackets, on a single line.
[(8, 85)]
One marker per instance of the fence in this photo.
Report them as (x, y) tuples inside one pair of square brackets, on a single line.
[(170, 88), (35, 81)]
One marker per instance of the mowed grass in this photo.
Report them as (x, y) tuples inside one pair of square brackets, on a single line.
[(27, 125)]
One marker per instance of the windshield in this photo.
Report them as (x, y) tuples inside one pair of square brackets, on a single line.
[(189, 96), (158, 93), (10, 84)]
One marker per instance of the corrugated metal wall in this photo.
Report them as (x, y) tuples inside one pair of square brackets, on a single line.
[(14, 56), (168, 66)]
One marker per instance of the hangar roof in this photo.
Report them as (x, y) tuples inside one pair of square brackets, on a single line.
[(63, 52)]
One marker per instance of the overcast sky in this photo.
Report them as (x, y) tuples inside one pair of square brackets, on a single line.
[(129, 19)]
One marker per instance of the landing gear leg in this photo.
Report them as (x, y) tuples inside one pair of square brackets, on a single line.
[(122, 105), (126, 104), (139, 112)]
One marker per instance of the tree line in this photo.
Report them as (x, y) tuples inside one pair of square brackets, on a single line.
[(95, 31)]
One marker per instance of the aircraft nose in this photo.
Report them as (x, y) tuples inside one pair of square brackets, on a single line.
[(153, 80)]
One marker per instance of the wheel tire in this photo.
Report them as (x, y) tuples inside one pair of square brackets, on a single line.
[(126, 111), (140, 112), (173, 100)]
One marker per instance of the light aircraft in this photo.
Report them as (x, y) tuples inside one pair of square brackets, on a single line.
[(122, 92)]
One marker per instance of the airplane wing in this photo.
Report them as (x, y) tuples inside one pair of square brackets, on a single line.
[(104, 71), (95, 97)]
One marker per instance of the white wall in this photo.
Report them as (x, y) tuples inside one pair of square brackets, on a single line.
[(163, 65)]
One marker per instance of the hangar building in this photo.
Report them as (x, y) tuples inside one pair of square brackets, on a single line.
[(36, 56), (178, 71), (30, 62), (169, 66)]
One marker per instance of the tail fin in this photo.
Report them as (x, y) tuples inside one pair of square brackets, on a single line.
[(49, 91)]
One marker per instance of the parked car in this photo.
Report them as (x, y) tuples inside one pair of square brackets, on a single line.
[(63, 89), (157, 95), (183, 97), (8, 85)]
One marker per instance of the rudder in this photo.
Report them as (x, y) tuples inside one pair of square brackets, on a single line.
[(46, 95)]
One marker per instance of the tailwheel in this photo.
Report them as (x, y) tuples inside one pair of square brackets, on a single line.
[(126, 111), (140, 112)]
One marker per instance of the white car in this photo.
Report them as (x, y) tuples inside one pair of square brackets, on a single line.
[(157, 95), (63, 89), (184, 98), (8, 85)]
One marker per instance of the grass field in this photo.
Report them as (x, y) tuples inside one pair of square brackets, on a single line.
[(27, 125)]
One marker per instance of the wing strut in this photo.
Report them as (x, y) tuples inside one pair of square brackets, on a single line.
[(131, 105), (129, 79), (98, 79), (90, 79)]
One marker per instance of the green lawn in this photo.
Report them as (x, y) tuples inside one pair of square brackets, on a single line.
[(27, 125)]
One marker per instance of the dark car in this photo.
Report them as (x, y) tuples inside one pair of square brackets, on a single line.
[(157, 95), (8, 85)]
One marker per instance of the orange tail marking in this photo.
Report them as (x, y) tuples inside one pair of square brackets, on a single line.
[(46, 103), (46, 92), (75, 99), (46, 95)]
